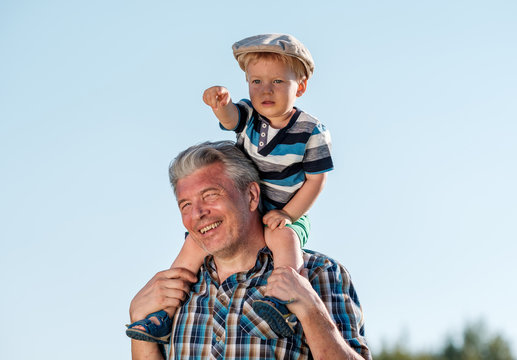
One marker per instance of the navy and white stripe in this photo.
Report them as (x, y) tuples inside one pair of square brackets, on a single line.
[(302, 147)]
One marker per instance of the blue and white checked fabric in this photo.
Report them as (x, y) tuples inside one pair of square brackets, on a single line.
[(218, 322)]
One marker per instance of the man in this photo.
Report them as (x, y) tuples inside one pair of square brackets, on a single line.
[(218, 194)]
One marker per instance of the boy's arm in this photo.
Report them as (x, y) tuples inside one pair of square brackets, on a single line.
[(218, 98), (306, 195), (299, 204)]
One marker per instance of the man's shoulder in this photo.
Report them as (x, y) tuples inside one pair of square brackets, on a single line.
[(317, 261), (327, 275)]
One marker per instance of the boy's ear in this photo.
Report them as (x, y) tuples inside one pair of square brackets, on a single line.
[(302, 86)]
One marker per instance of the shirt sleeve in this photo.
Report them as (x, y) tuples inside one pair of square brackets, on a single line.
[(317, 158), (333, 284), (245, 110)]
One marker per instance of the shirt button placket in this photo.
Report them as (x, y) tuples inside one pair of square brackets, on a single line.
[(263, 136)]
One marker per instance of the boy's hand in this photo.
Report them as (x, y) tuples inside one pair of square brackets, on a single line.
[(276, 219), (216, 97)]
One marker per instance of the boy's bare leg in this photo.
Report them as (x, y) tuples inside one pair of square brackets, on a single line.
[(190, 257), (285, 246)]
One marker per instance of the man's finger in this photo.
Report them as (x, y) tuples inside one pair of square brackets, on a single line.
[(305, 273), (175, 294), (176, 284), (180, 273)]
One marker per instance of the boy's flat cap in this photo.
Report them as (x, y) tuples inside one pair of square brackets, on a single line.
[(277, 43)]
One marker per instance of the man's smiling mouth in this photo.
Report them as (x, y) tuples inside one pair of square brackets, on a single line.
[(210, 227)]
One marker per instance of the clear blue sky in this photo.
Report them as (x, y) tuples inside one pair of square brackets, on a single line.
[(96, 97)]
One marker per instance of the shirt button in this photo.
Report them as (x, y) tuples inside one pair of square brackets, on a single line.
[(263, 134), (261, 143), (219, 338), (264, 126)]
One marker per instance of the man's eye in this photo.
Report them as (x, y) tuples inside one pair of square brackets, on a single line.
[(184, 206), (210, 196)]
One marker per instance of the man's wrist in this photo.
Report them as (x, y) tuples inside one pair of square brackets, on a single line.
[(310, 308)]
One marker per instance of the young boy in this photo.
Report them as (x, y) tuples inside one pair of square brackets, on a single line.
[(290, 148)]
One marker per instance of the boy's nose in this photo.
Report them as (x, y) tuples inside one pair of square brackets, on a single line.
[(267, 88)]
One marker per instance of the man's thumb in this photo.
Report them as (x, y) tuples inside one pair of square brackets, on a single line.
[(305, 273)]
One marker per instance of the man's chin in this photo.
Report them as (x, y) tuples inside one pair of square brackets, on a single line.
[(209, 245)]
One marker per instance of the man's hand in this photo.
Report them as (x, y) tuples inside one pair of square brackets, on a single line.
[(216, 97), (166, 290), (323, 337), (285, 283), (276, 219)]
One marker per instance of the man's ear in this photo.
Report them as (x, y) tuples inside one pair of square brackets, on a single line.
[(254, 195), (302, 86)]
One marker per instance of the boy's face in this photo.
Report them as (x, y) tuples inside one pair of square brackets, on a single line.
[(273, 88)]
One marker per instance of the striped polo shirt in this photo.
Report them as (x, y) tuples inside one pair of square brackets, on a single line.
[(301, 147)]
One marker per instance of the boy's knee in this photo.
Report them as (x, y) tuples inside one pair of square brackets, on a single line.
[(280, 234)]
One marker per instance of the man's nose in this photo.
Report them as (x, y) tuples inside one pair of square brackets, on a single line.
[(200, 210)]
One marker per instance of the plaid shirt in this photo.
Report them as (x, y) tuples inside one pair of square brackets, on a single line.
[(218, 322)]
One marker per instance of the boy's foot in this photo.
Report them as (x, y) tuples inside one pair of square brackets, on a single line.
[(156, 327), (276, 314)]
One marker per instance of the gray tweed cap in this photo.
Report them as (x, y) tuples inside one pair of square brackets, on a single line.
[(277, 43)]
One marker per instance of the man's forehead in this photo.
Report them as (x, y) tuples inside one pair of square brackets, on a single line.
[(207, 177)]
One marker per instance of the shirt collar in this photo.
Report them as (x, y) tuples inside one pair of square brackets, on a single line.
[(263, 262)]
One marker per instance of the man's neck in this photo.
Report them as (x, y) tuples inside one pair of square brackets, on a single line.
[(244, 261), (242, 258)]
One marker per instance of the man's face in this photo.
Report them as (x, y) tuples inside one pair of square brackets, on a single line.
[(213, 210)]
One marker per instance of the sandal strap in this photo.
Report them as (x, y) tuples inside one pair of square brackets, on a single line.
[(143, 323), (279, 304), (162, 329), (161, 316)]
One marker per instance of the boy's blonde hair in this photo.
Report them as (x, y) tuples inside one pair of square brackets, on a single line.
[(293, 63)]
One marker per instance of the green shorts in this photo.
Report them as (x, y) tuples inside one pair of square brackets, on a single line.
[(301, 227)]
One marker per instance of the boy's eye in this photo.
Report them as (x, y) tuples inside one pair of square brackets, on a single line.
[(255, 81), (277, 81)]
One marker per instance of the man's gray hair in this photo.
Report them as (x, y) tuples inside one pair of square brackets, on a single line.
[(238, 167)]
